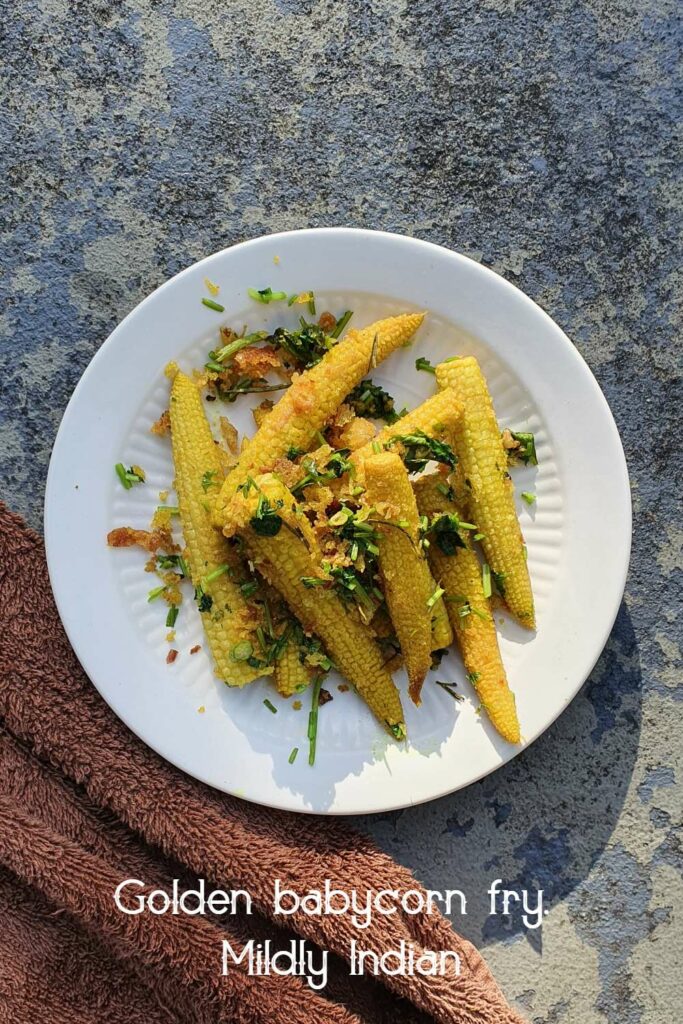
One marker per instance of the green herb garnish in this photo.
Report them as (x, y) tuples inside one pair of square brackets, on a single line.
[(446, 532), (306, 346), (210, 304), (424, 364), (292, 756), (249, 588), (265, 521), (419, 449), (271, 707), (219, 571), (172, 616), (209, 480), (371, 400), (204, 600), (341, 323), (526, 452), (129, 477), (439, 592), (473, 677), (157, 592), (313, 719), (173, 562), (335, 467), (171, 509), (265, 295), (528, 497)]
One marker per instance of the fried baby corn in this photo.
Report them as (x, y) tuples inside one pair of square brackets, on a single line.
[(215, 566), (280, 553), (314, 397), (291, 675), (437, 417), (483, 463), (459, 574), (403, 568)]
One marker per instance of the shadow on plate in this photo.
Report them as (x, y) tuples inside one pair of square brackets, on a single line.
[(348, 737), (541, 821)]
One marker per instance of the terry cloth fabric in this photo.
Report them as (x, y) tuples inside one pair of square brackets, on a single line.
[(84, 804)]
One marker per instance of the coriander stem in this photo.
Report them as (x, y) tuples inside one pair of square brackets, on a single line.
[(313, 719)]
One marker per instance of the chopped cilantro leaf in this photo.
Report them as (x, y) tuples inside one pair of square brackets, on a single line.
[(527, 447), (419, 449), (371, 400), (204, 600), (209, 480), (265, 521)]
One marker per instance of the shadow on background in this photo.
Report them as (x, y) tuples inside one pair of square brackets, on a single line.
[(541, 821)]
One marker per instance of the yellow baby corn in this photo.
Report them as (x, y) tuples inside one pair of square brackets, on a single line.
[(403, 568), (314, 396), (291, 676), (282, 556), (227, 618), (437, 417), (460, 576), (483, 462)]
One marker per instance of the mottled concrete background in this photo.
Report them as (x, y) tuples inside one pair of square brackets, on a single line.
[(536, 137)]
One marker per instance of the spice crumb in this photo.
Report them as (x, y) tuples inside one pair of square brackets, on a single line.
[(170, 636), (325, 696), (276, 261), (197, 647), (163, 495), (201, 709), (297, 705), (171, 656), (343, 687)]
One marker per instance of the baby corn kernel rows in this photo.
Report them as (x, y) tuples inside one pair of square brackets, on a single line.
[(326, 542)]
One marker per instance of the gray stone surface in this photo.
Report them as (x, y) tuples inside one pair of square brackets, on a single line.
[(535, 137)]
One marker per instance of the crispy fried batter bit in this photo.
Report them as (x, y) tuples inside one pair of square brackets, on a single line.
[(171, 656), (229, 434), (257, 362), (510, 444), (162, 426), (327, 322), (151, 540), (197, 647)]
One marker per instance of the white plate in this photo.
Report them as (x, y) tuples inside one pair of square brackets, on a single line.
[(578, 533)]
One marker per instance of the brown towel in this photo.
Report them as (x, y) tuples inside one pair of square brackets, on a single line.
[(84, 804)]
